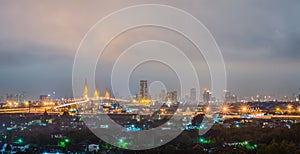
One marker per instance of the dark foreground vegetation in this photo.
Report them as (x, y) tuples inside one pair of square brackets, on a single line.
[(248, 139)]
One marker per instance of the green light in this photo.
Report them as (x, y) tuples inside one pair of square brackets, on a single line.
[(247, 145), (122, 143), (62, 144), (67, 140), (202, 140), (19, 141)]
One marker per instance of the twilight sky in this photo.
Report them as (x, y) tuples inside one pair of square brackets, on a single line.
[(260, 42)]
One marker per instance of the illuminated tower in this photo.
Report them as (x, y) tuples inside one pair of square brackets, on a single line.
[(96, 94), (107, 95), (85, 89)]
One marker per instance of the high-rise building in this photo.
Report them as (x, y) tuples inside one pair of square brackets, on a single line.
[(19, 97), (44, 98), (144, 98), (172, 96), (193, 94), (229, 97), (143, 89), (206, 95)]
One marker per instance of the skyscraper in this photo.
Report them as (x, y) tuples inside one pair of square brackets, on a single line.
[(206, 95), (172, 96), (227, 96), (143, 89), (193, 94)]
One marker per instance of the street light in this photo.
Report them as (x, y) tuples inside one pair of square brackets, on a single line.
[(277, 109), (244, 108), (225, 108)]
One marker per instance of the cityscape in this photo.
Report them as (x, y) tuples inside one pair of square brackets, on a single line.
[(149, 77), (54, 124)]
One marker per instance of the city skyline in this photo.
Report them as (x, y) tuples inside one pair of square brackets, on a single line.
[(149, 76)]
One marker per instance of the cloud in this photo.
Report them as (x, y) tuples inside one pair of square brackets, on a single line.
[(28, 55), (256, 35)]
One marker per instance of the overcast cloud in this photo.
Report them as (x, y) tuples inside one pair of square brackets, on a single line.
[(260, 42)]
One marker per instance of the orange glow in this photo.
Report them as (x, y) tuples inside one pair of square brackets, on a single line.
[(26, 103), (244, 108)]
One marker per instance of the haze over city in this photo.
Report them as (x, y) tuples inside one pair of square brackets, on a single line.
[(258, 39)]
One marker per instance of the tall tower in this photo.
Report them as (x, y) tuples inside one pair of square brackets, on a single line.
[(107, 95), (143, 89), (85, 89), (96, 94)]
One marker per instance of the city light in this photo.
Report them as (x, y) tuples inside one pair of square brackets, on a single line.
[(225, 108), (289, 107), (9, 104), (67, 140), (122, 143), (19, 141), (277, 109), (26, 103), (244, 108), (207, 108), (62, 144), (71, 83), (204, 141)]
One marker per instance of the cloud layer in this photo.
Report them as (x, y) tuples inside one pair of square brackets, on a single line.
[(260, 41)]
